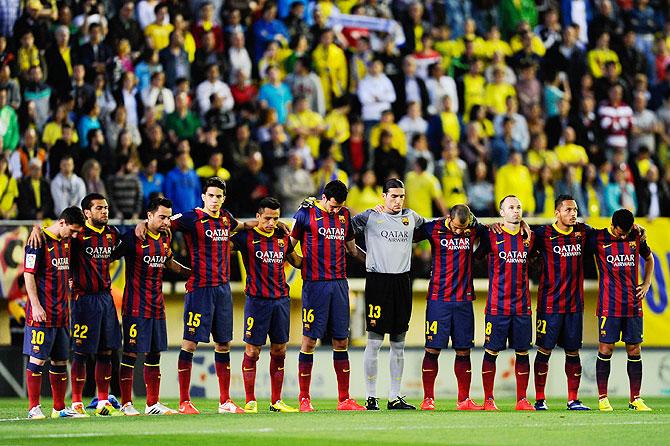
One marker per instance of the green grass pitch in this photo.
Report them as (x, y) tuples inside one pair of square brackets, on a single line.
[(327, 426)]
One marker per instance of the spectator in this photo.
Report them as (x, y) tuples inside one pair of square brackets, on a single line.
[(8, 192), (213, 85), (566, 57), (511, 13), (426, 56), (65, 145), (34, 200), (208, 24), (570, 154), (67, 189), (438, 86), (124, 26), (125, 190), (243, 146), (414, 27), (147, 65), (39, 93), (444, 123), (182, 123), (454, 174), (205, 55), (514, 178), (91, 173), (104, 97), (175, 60), (330, 64), (19, 159), (337, 128), (633, 61), (152, 181), (361, 58), (423, 190), (294, 183), (53, 131), (545, 193), (29, 21), (398, 140), (158, 32), (82, 92), (376, 94), (303, 82), (213, 168), (539, 156), (275, 151), (238, 57), (327, 172), (504, 145), (598, 56), (609, 79), (409, 87), (413, 124), (586, 126), (98, 149), (556, 125), (156, 146), (388, 161), (474, 147), (619, 193), (117, 124), (27, 56), (653, 196), (9, 123), (268, 29), (364, 194), (11, 85), (646, 127), (95, 54), (218, 116), (592, 191), (182, 184), (252, 186), (616, 119), (244, 92), (520, 129), (570, 185), (60, 59), (87, 123), (276, 95), (356, 150), (305, 122), (480, 192), (158, 97), (472, 87)]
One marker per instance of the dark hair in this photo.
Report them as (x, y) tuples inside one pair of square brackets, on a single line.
[(422, 163), (214, 182), (561, 198), (73, 216), (337, 190), (460, 213), (505, 198), (87, 201), (392, 183), (156, 202), (623, 219), (268, 203)]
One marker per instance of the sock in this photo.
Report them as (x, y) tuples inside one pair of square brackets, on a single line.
[(396, 365), (34, 383), (573, 371), (634, 368), (276, 376), (305, 363), (249, 376), (429, 373), (602, 373), (184, 366), (152, 377), (463, 372), (370, 363), (222, 363), (522, 372), (58, 380), (78, 372), (341, 364), (103, 375), (488, 374), (126, 370), (540, 370)]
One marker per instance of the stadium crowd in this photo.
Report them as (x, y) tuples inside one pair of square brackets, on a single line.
[(467, 100)]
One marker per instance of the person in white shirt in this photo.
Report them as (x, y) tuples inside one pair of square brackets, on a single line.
[(412, 123), (67, 189), (376, 93), (158, 97), (213, 84), (239, 57), (438, 86)]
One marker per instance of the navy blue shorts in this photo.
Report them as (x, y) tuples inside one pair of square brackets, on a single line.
[(144, 335), (513, 331), (325, 309), (209, 310), (46, 342), (444, 320), (615, 329), (266, 317), (95, 325), (562, 329)]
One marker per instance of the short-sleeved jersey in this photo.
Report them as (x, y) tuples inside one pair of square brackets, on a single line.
[(388, 239), (50, 265), (90, 259), (322, 237), (451, 266), (617, 261), (561, 285), (263, 255), (208, 242), (145, 264), (508, 272)]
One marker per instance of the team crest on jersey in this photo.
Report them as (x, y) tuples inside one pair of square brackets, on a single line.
[(405, 221), (281, 243), (165, 245), (247, 334), (109, 236), (307, 326), (632, 244), (36, 348), (342, 219), (132, 341), (467, 232), (578, 234), (225, 221), (526, 243), (373, 322)]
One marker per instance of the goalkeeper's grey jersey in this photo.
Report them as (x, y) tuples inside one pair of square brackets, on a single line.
[(388, 239)]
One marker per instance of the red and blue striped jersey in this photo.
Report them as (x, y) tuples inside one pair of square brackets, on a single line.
[(617, 261), (263, 255), (322, 237), (50, 265), (561, 284), (452, 255), (508, 272), (90, 260), (208, 241), (145, 263)]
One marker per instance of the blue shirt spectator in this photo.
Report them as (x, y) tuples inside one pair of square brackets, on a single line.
[(267, 29), (182, 185), (276, 94), (152, 181)]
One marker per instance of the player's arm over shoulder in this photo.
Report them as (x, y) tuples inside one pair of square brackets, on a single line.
[(359, 222), (183, 221), (424, 230)]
